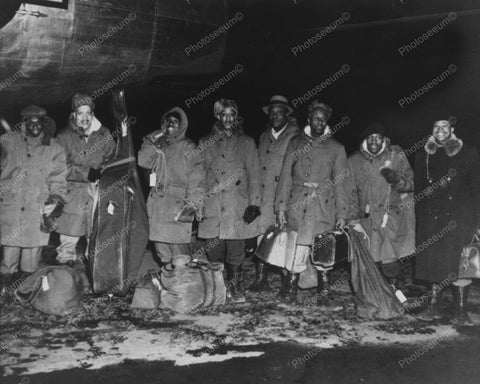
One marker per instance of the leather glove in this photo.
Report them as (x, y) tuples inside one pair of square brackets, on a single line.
[(391, 176), (59, 204), (94, 175), (161, 142), (251, 213)]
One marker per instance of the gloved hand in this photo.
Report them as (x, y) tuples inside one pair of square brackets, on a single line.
[(391, 176), (162, 142), (58, 202), (251, 213), (94, 175)]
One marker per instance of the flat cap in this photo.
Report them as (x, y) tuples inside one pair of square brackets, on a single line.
[(33, 111)]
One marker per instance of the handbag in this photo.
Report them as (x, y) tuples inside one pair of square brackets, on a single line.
[(277, 246), (470, 260), (55, 290)]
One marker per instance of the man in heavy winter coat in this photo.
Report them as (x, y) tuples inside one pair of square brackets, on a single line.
[(233, 193), (382, 199), (447, 186), (312, 195), (272, 148), (32, 183), (88, 146), (177, 180)]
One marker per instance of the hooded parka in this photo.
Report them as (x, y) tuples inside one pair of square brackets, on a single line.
[(232, 183), (313, 185), (447, 188), (31, 171), (180, 180), (385, 211), (82, 154), (271, 152)]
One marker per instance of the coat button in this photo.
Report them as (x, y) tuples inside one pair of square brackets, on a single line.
[(435, 218), (450, 197), (223, 209), (308, 159), (264, 168), (307, 174), (448, 213), (28, 155), (22, 209), (268, 151)]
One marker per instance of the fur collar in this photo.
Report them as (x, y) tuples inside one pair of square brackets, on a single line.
[(370, 156), (452, 146)]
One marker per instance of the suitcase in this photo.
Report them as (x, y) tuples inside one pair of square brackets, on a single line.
[(278, 246)]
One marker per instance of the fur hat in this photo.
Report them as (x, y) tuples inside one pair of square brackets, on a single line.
[(33, 111), (80, 99), (222, 104)]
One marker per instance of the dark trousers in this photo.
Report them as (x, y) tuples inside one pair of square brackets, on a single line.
[(229, 251)]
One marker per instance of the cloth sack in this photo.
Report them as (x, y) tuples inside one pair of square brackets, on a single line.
[(373, 296), (147, 292), (55, 290), (196, 285)]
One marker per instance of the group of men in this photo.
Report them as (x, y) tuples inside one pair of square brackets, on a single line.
[(296, 177)]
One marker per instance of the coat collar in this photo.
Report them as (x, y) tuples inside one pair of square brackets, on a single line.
[(452, 146), (290, 129), (320, 140), (369, 155)]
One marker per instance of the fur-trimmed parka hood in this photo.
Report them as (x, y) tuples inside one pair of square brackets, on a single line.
[(452, 146)]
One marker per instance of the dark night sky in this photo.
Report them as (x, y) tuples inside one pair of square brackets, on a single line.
[(368, 42)]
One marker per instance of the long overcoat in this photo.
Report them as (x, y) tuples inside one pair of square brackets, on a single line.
[(30, 173), (180, 180), (271, 152), (372, 198), (313, 186), (447, 194), (232, 183), (82, 154)]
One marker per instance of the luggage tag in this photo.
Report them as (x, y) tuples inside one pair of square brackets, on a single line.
[(384, 220), (400, 296), (111, 207), (367, 211), (156, 283), (153, 180), (45, 285)]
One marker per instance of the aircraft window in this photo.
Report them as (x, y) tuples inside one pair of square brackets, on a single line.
[(9, 9), (49, 3)]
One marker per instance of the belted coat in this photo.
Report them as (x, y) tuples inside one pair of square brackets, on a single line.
[(232, 183), (271, 152), (313, 186)]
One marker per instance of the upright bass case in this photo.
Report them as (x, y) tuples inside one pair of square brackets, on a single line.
[(120, 222)]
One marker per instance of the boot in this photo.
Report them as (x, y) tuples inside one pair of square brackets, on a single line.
[(6, 281), (283, 286), (323, 288), (291, 287), (460, 315), (432, 311), (261, 278), (234, 281)]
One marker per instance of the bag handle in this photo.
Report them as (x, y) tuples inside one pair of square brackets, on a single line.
[(37, 287)]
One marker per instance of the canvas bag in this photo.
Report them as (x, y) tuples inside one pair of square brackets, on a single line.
[(470, 261), (193, 286), (278, 246), (147, 292), (55, 290)]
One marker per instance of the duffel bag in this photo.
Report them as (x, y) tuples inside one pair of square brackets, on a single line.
[(55, 290)]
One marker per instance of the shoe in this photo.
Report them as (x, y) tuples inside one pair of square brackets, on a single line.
[(433, 309), (261, 278), (460, 314), (6, 281), (291, 287), (234, 282)]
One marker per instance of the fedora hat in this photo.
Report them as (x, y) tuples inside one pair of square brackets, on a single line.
[(278, 100)]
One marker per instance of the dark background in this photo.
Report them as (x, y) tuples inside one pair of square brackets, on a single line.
[(368, 42)]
